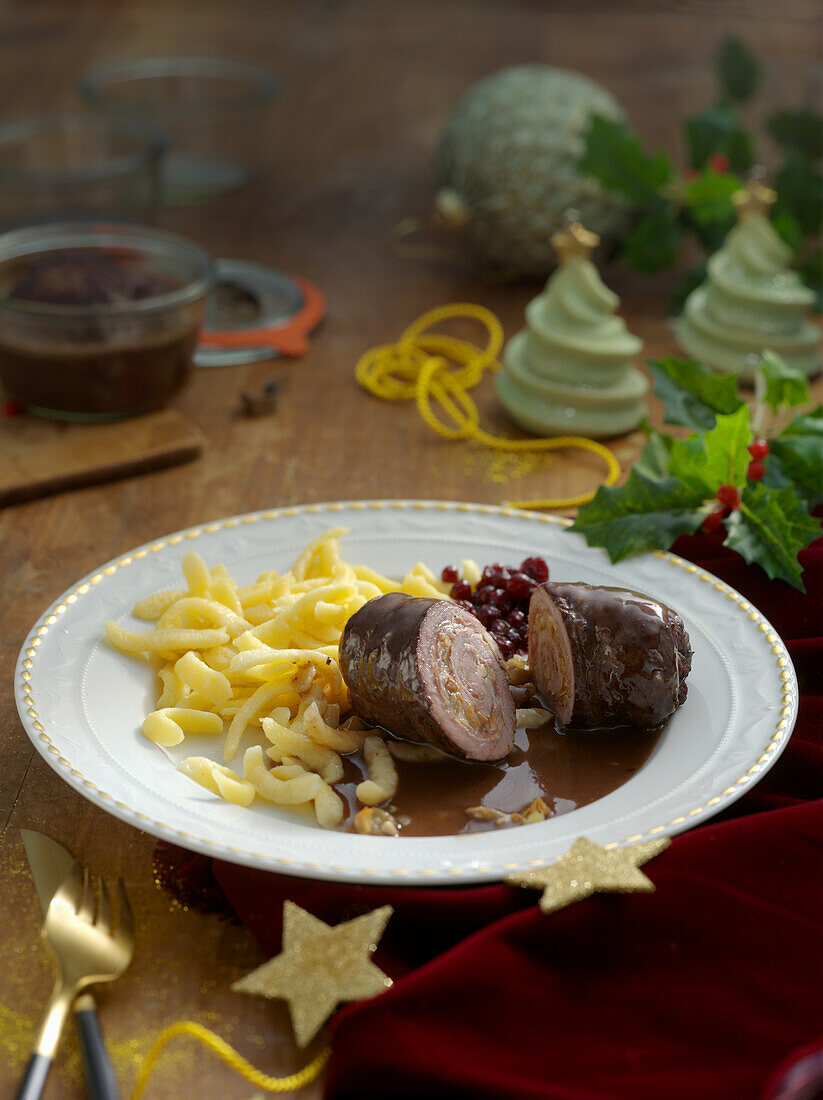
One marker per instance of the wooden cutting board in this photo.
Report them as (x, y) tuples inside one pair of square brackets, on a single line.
[(40, 457)]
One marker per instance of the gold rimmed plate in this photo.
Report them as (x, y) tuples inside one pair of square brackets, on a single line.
[(82, 703)]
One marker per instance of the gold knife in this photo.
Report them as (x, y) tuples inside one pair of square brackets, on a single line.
[(50, 864)]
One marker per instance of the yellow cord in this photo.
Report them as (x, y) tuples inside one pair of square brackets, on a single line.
[(231, 1057), (436, 370)]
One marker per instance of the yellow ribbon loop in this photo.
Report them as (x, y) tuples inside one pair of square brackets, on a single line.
[(437, 371), (231, 1057)]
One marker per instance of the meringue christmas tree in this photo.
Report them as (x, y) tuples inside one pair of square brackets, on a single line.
[(751, 301), (570, 371)]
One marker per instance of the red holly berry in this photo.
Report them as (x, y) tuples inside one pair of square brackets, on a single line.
[(690, 174), (755, 471), (758, 449), (12, 408), (718, 162), (712, 521), (729, 496)]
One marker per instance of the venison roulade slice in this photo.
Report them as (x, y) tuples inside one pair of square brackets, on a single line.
[(606, 656), (428, 671)]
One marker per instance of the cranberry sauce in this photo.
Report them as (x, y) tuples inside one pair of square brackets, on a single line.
[(501, 600)]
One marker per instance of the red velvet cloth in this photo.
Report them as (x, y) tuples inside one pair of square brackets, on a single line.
[(710, 987)]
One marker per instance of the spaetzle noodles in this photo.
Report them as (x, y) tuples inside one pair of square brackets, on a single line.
[(258, 665)]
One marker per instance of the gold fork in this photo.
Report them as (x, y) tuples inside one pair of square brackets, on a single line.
[(88, 949)]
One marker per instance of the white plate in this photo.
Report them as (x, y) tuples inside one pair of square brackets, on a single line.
[(82, 703)]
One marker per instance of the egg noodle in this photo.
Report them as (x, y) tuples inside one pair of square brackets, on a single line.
[(260, 663), (263, 659)]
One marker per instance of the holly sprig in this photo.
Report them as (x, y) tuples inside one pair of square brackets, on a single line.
[(751, 473), (670, 205)]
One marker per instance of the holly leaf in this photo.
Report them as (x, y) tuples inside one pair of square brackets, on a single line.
[(799, 452), (615, 157), (738, 70), (801, 129), (719, 457), (727, 448), (707, 205), (810, 423), (800, 187), (801, 459), (691, 393), (643, 514), (782, 384), (770, 528), (785, 225), (717, 130), (708, 197), (775, 477), (653, 460), (652, 242)]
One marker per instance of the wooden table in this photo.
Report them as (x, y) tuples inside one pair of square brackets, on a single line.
[(344, 156)]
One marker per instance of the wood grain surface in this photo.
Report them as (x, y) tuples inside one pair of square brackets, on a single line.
[(40, 457), (342, 157)]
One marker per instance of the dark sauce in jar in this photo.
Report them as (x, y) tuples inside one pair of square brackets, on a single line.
[(567, 769), (104, 361)]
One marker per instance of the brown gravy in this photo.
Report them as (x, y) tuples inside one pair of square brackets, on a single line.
[(566, 769), (108, 381), (104, 362)]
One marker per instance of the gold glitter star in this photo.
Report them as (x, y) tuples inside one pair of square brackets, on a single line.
[(320, 966), (574, 239), (754, 198), (588, 868)]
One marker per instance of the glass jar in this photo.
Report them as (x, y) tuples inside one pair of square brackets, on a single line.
[(210, 109), (98, 322), (85, 167)]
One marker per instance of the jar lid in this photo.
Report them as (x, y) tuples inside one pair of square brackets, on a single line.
[(255, 313)]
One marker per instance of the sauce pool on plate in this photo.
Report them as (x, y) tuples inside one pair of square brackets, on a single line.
[(567, 769)]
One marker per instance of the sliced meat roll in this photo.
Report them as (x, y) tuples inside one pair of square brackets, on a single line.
[(428, 671), (606, 656)]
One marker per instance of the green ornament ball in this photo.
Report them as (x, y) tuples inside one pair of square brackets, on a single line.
[(506, 166)]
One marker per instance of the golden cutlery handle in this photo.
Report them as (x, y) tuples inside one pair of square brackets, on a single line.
[(45, 1046)]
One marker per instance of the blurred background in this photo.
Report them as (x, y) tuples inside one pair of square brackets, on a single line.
[(361, 91), (323, 138)]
